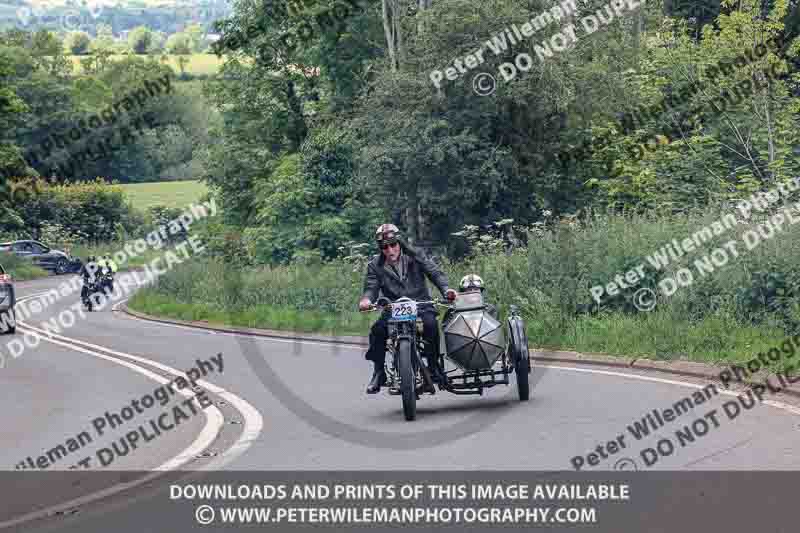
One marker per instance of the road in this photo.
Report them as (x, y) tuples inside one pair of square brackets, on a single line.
[(284, 405)]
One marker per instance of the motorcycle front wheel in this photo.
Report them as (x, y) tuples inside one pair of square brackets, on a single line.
[(408, 378)]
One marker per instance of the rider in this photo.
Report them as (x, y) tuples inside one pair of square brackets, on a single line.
[(399, 271), (110, 263), (107, 262), (87, 272)]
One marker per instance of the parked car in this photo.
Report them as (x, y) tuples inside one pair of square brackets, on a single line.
[(8, 300), (43, 256)]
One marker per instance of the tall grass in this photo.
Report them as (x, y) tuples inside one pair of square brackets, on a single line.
[(747, 306)]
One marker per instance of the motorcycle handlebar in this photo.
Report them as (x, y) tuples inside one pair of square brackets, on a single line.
[(383, 302)]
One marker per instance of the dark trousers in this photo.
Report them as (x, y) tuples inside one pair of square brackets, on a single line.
[(380, 331)]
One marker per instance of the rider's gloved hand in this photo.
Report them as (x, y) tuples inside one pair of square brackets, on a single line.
[(450, 294), (364, 304)]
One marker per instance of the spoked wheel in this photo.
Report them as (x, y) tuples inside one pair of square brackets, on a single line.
[(408, 378), (520, 356)]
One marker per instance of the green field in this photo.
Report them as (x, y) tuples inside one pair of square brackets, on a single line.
[(166, 193), (199, 64)]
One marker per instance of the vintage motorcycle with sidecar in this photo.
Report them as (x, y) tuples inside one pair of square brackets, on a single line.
[(474, 340)]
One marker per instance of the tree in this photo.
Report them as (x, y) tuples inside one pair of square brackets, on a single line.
[(77, 43), (392, 11), (159, 37), (179, 44), (104, 40), (11, 162), (195, 35), (140, 39)]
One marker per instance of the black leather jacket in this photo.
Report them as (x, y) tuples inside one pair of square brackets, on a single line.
[(89, 271), (383, 281)]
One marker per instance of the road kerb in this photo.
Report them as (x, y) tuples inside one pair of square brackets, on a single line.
[(678, 367)]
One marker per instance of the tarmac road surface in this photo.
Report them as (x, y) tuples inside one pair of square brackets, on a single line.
[(285, 405)]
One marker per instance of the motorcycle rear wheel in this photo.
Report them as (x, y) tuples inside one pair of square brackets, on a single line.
[(408, 378)]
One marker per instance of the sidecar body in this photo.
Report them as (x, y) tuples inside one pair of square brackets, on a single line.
[(473, 337)]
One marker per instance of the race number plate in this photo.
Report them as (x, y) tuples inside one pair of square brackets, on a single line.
[(404, 311)]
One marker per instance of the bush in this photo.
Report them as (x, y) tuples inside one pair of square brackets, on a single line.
[(84, 212), (140, 40), (77, 43), (727, 314)]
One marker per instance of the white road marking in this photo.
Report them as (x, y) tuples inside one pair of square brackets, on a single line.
[(253, 422), (779, 405)]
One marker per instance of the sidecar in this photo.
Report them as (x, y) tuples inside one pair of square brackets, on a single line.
[(476, 341)]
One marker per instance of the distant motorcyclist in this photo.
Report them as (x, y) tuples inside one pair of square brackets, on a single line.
[(88, 272), (399, 271), (108, 262), (110, 268)]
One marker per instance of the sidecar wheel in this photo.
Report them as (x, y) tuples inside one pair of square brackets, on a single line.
[(521, 357), (408, 379)]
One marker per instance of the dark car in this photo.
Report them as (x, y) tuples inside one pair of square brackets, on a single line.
[(7, 301), (43, 256)]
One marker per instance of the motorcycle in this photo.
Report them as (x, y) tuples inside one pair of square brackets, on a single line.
[(106, 280), (92, 287), (474, 341)]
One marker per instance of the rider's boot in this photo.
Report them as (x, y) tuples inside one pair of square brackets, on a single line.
[(378, 379), (436, 371)]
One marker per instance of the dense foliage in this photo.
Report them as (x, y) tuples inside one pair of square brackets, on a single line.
[(325, 122), (336, 131), (155, 135), (72, 214)]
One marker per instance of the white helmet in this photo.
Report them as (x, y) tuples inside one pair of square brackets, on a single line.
[(471, 281)]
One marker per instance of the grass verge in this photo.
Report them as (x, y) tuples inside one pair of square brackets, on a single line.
[(322, 299), (261, 317)]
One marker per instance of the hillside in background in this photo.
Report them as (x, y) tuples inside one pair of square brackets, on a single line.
[(159, 15)]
